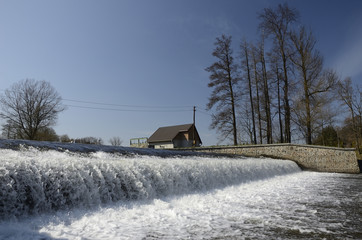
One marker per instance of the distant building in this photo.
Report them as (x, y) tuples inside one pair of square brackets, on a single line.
[(178, 136), (138, 142)]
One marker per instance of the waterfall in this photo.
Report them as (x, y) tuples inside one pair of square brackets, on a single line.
[(35, 181)]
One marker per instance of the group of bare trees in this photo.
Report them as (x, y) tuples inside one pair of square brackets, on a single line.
[(114, 141), (30, 108), (351, 97), (277, 94)]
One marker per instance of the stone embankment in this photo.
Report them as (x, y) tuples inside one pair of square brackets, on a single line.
[(308, 157)]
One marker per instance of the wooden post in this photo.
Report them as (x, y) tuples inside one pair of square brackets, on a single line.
[(193, 129)]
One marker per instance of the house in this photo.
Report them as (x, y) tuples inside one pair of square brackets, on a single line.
[(178, 136)]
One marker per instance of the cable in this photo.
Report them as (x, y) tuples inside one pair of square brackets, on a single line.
[(204, 113), (137, 108), (123, 105), (126, 110)]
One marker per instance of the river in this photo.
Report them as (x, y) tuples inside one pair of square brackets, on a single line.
[(61, 195)]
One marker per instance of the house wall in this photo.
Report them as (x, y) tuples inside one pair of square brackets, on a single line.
[(162, 145), (197, 138), (184, 140), (181, 140)]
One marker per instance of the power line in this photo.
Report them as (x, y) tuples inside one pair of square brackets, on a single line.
[(136, 108), (129, 108), (204, 113), (126, 110), (123, 105)]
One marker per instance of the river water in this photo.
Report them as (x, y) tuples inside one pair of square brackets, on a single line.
[(60, 195)]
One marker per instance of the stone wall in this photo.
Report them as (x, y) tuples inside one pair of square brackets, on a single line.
[(316, 158)]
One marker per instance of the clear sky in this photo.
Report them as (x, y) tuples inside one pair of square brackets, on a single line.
[(146, 59)]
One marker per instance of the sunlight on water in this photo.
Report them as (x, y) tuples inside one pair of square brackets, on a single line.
[(33, 181), (57, 195), (296, 206)]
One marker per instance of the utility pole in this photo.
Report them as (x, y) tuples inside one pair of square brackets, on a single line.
[(193, 129)]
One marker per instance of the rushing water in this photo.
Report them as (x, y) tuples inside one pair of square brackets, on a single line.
[(62, 195)]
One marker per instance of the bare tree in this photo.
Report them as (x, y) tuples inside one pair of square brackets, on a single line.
[(64, 138), (260, 85), (223, 79), (277, 76), (309, 66), (47, 134), (245, 125), (89, 140), (30, 106), (245, 64), (276, 22), (352, 98), (324, 112), (115, 141), (257, 87), (9, 131), (266, 97)]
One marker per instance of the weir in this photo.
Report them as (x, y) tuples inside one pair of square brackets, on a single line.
[(309, 157), (36, 181)]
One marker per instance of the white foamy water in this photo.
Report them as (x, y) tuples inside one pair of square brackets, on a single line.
[(33, 181), (54, 195)]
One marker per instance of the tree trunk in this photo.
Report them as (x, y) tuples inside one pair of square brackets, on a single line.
[(250, 93), (286, 99), (233, 112), (279, 108), (307, 109), (269, 132), (232, 101), (257, 100)]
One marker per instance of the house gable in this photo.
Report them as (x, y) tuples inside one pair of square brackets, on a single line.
[(174, 137)]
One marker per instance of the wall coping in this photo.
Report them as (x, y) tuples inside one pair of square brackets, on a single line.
[(271, 145)]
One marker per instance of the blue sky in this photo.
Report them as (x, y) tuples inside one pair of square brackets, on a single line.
[(148, 56)]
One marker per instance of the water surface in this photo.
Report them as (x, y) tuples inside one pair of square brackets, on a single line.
[(172, 198)]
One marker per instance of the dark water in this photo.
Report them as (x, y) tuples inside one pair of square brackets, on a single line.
[(306, 205), (326, 206)]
